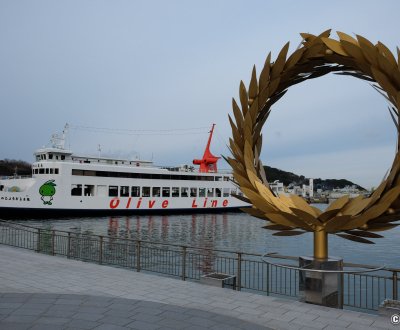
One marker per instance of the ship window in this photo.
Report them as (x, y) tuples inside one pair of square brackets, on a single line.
[(56, 171), (1, 187), (113, 191), (156, 191), (62, 157), (88, 190), (233, 191), (175, 191), (210, 192), (184, 192), (102, 190), (57, 157), (145, 191), (135, 191), (36, 171), (37, 158), (226, 192), (52, 171), (41, 170), (76, 190), (50, 156), (77, 172), (124, 191), (218, 178), (47, 171), (193, 192), (89, 173), (202, 192), (217, 192), (226, 178), (165, 192)]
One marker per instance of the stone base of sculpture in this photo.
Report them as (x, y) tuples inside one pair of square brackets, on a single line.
[(321, 288)]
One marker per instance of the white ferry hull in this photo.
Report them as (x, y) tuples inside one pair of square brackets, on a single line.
[(22, 198), (63, 183)]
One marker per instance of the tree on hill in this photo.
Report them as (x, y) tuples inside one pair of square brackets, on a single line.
[(9, 167)]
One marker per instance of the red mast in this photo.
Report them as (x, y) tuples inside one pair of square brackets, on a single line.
[(209, 162)]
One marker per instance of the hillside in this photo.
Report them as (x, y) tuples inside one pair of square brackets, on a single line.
[(10, 166), (288, 177)]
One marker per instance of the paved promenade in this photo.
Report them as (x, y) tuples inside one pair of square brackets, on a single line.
[(44, 292)]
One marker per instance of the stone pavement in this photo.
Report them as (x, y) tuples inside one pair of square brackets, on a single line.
[(44, 292)]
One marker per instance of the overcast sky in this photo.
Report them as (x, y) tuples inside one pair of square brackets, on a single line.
[(175, 65)]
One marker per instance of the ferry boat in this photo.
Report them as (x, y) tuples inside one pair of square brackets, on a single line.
[(63, 184)]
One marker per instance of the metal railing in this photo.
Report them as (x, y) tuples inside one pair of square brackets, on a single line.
[(360, 291)]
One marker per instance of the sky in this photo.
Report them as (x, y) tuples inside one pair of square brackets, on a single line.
[(148, 79)]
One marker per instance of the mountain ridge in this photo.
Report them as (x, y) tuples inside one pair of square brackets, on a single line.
[(287, 178)]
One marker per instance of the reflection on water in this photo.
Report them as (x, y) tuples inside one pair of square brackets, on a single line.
[(227, 231)]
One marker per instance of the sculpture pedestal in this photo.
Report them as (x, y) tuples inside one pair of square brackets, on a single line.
[(321, 288)]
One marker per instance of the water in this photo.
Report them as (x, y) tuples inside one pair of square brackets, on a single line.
[(226, 231)]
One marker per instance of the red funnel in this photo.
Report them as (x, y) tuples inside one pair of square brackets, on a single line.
[(209, 162)]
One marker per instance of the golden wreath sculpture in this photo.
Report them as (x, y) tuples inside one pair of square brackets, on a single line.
[(351, 218)]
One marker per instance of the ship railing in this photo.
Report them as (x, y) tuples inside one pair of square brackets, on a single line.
[(364, 292)]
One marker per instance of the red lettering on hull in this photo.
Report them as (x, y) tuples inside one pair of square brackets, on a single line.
[(151, 204), (194, 205), (164, 204), (114, 203), (129, 202), (139, 202)]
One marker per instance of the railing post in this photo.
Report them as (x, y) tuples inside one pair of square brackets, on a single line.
[(268, 279), (52, 243), (101, 250), (394, 279), (38, 241), (239, 272), (138, 256), (69, 246), (183, 263)]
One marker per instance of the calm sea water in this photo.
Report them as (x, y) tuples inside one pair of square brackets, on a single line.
[(227, 231)]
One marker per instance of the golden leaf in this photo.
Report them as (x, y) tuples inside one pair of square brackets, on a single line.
[(238, 114), (346, 37), (289, 233), (254, 212), (383, 81), (368, 50), (300, 202), (387, 53), (243, 98), (277, 227), (356, 206), (280, 62), (355, 238), (335, 46), (264, 76), (294, 58), (253, 88), (336, 223), (306, 217), (338, 204)]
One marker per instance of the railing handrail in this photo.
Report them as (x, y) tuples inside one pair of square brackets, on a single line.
[(271, 254)]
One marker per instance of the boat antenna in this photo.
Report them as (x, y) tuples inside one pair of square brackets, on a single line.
[(209, 162), (57, 140)]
